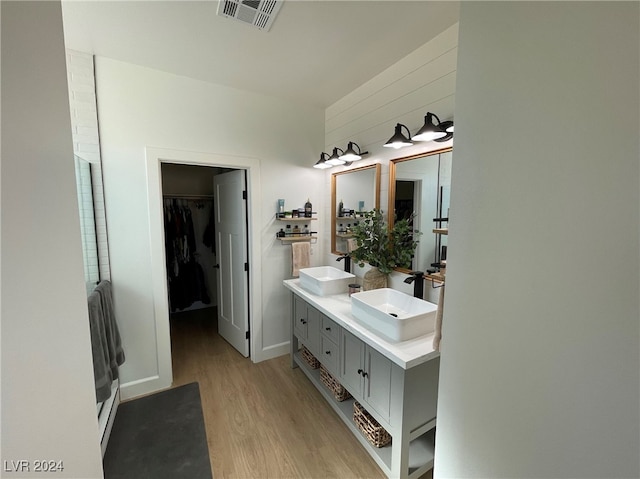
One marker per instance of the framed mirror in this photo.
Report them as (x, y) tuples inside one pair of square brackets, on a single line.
[(420, 185), (353, 192)]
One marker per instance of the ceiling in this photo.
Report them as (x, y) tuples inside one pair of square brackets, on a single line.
[(316, 51)]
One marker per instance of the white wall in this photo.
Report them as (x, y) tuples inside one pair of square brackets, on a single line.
[(48, 395), (140, 107), (540, 354), (422, 81)]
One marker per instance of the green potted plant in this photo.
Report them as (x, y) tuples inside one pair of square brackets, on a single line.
[(383, 248)]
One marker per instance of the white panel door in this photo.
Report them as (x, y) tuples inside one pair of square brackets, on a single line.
[(231, 253)]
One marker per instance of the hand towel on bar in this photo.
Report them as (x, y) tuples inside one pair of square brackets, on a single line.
[(437, 337), (114, 343), (100, 350), (352, 244), (300, 256)]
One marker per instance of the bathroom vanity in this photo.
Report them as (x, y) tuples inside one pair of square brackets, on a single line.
[(396, 382)]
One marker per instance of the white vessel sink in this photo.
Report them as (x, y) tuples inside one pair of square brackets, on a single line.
[(325, 280), (393, 314)]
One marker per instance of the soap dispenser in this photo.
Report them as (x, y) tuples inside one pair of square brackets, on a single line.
[(308, 209)]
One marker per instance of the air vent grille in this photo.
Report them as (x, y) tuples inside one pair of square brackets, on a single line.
[(259, 13)]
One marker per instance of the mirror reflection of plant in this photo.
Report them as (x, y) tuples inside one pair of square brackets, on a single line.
[(383, 248)]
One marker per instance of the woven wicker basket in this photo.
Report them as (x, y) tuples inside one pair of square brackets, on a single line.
[(339, 392), (373, 431), (309, 358)]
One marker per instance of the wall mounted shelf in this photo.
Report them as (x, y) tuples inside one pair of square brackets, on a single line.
[(289, 218), (441, 231), (437, 277), (294, 239)]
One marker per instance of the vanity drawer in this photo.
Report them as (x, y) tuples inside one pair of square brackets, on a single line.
[(330, 329), (329, 355)]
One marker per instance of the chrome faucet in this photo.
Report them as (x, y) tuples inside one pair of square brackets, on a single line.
[(347, 262), (417, 278)]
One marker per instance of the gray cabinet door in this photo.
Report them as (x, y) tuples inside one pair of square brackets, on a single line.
[(351, 359), (377, 392), (329, 354), (313, 331), (331, 329), (300, 319)]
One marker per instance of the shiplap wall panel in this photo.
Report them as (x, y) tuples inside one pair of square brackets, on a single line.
[(378, 125), (430, 72), (426, 53), (422, 81)]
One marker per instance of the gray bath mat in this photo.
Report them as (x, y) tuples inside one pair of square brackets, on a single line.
[(161, 436)]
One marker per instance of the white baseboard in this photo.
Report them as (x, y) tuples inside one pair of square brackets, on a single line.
[(107, 415), (143, 386), (274, 351)]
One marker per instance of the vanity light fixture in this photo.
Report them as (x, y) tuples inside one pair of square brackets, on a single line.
[(430, 131), (350, 155), (321, 164), (334, 159), (447, 126), (398, 140)]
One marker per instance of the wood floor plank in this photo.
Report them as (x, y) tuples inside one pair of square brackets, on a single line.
[(263, 420)]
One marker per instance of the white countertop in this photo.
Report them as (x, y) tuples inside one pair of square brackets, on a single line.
[(405, 354)]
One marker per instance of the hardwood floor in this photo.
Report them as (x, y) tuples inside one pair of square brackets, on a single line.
[(263, 420)]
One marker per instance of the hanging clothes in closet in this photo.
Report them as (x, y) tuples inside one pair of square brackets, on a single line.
[(187, 282)]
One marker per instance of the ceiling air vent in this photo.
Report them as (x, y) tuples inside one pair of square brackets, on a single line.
[(259, 13)]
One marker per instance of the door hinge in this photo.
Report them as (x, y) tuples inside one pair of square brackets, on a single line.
[(246, 266), (246, 335), (244, 195)]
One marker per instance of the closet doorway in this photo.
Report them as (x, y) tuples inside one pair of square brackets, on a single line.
[(205, 231), (155, 157)]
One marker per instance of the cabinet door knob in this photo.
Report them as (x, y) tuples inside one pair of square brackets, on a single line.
[(327, 329), (364, 375), (303, 321), (328, 353), (359, 371)]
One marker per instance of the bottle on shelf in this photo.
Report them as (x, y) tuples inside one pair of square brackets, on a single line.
[(305, 230), (341, 229), (307, 209), (288, 231), (281, 233), (296, 230)]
